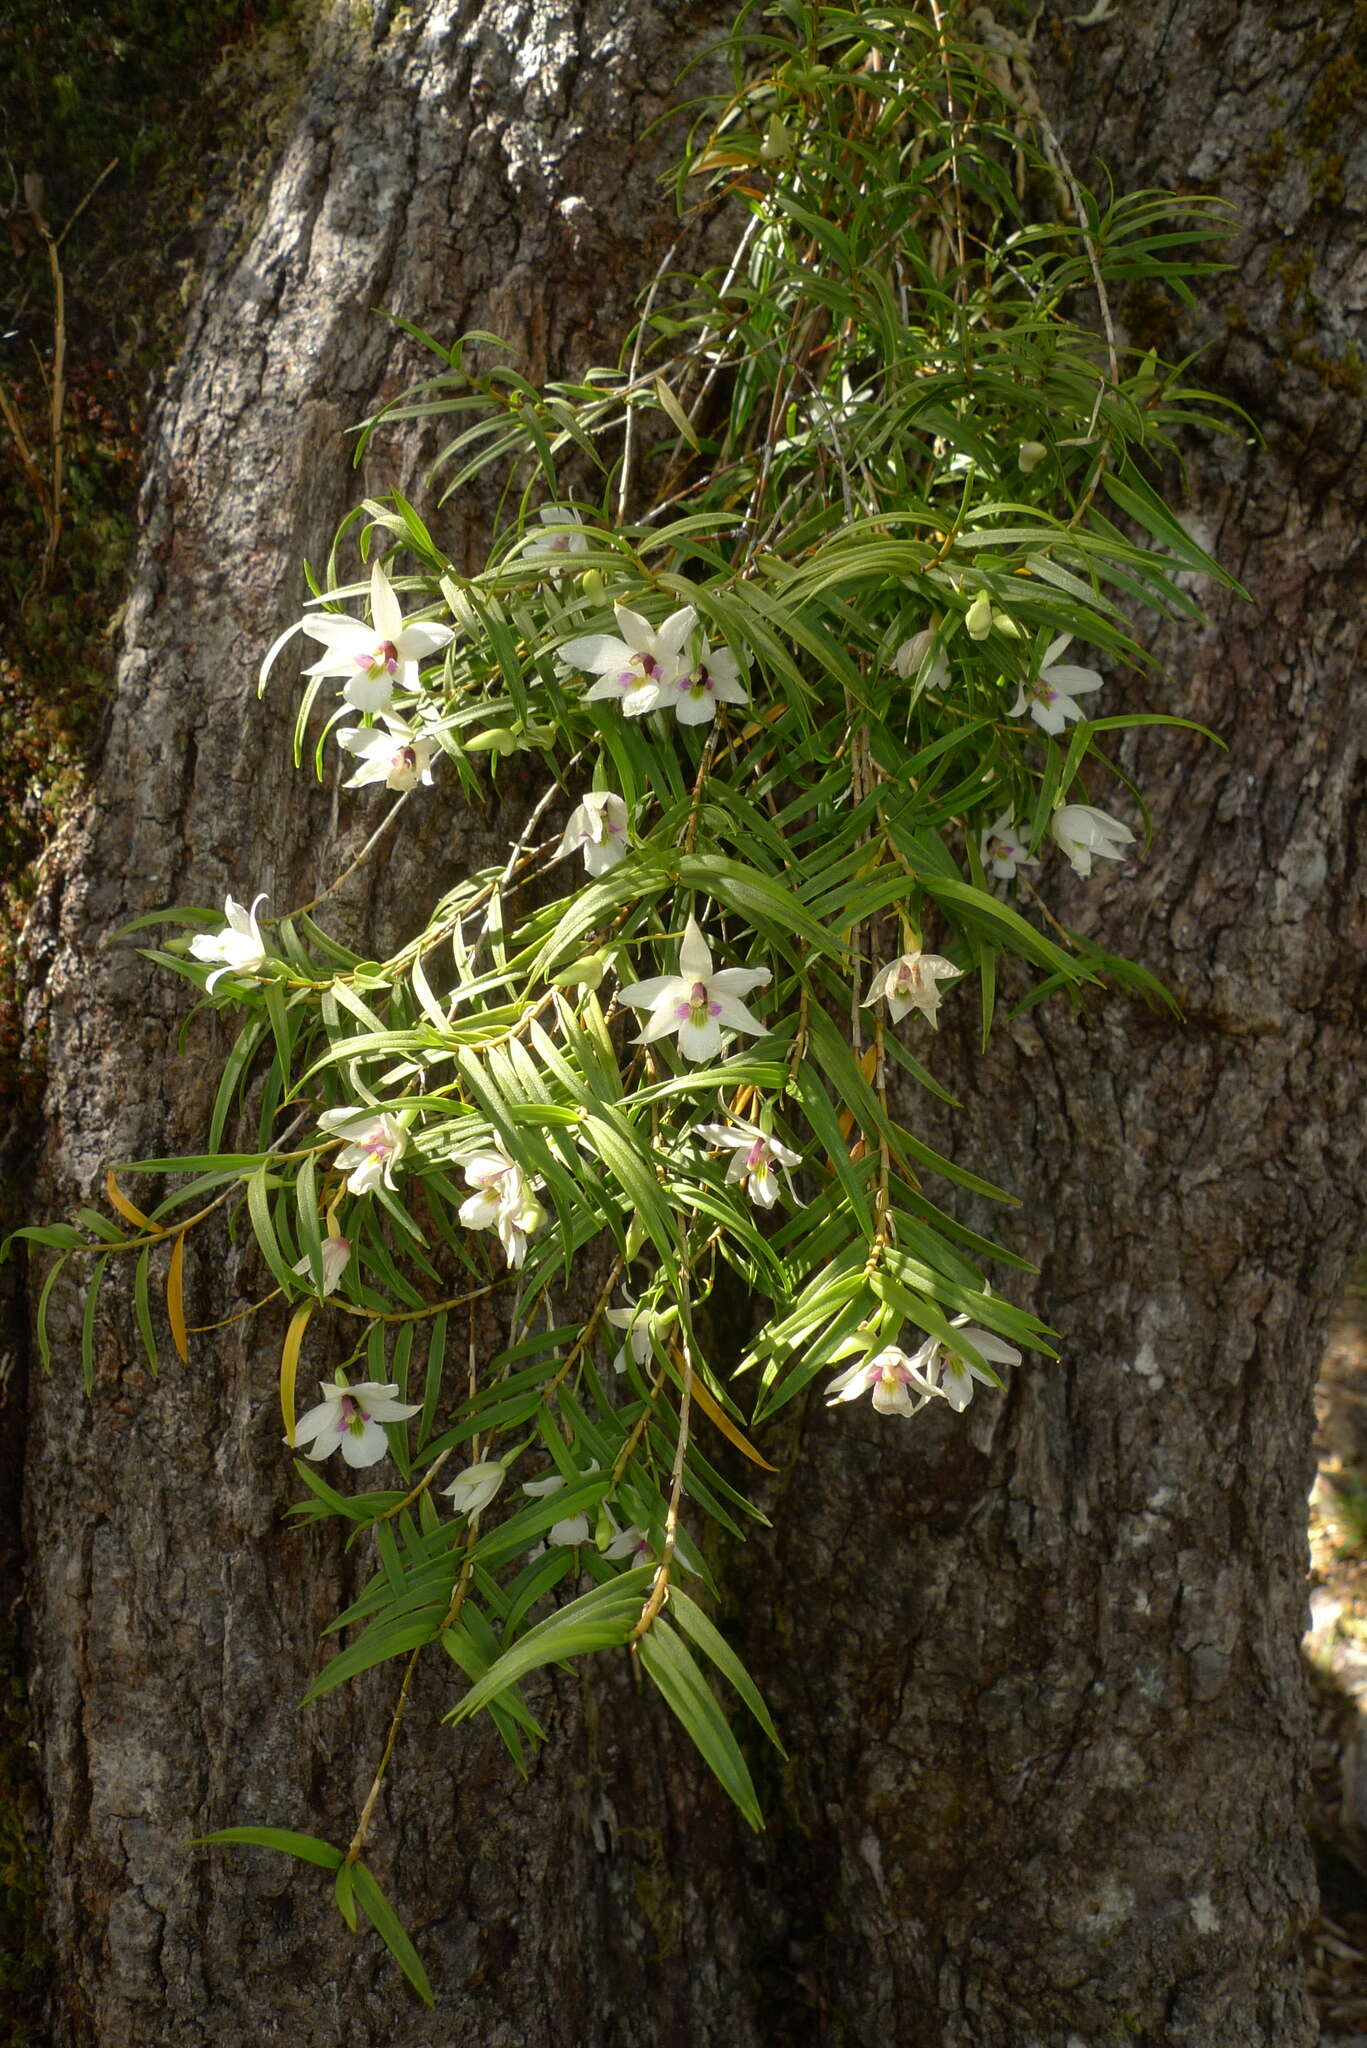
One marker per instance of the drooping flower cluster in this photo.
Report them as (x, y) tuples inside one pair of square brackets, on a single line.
[(1050, 698)]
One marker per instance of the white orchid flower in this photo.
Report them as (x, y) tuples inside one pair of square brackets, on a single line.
[(1049, 698), (471, 1491), (552, 549), (374, 660), (1085, 834), (336, 1252), (912, 983), (375, 1142), (639, 1327), (573, 1529), (349, 1419), (400, 756), (636, 668), (953, 1375), (891, 1377), (696, 1003), (503, 1200), (635, 1325), (912, 655), (755, 1153), (711, 677), (597, 828), (630, 1542), (239, 945), (1003, 850)]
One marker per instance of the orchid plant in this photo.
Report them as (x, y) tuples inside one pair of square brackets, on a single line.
[(809, 755)]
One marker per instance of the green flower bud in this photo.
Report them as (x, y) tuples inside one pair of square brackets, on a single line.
[(497, 740), (778, 141), (585, 973)]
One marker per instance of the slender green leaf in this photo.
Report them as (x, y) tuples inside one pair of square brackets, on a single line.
[(307, 1848), (387, 1925), (684, 1690)]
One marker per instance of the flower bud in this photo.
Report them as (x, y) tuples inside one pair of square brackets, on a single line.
[(979, 618), (497, 740), (1030, 455), (778, 141), (585, 973)]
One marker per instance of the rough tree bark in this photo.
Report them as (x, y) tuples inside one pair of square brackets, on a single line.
[(1038, 1675)]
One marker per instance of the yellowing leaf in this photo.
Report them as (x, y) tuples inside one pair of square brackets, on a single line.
[(128, 1210), (289, 1364), (723, 1422), (720, 160), (175, 1298)]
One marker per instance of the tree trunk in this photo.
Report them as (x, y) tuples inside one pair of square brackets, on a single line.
[(1037, 1668)]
